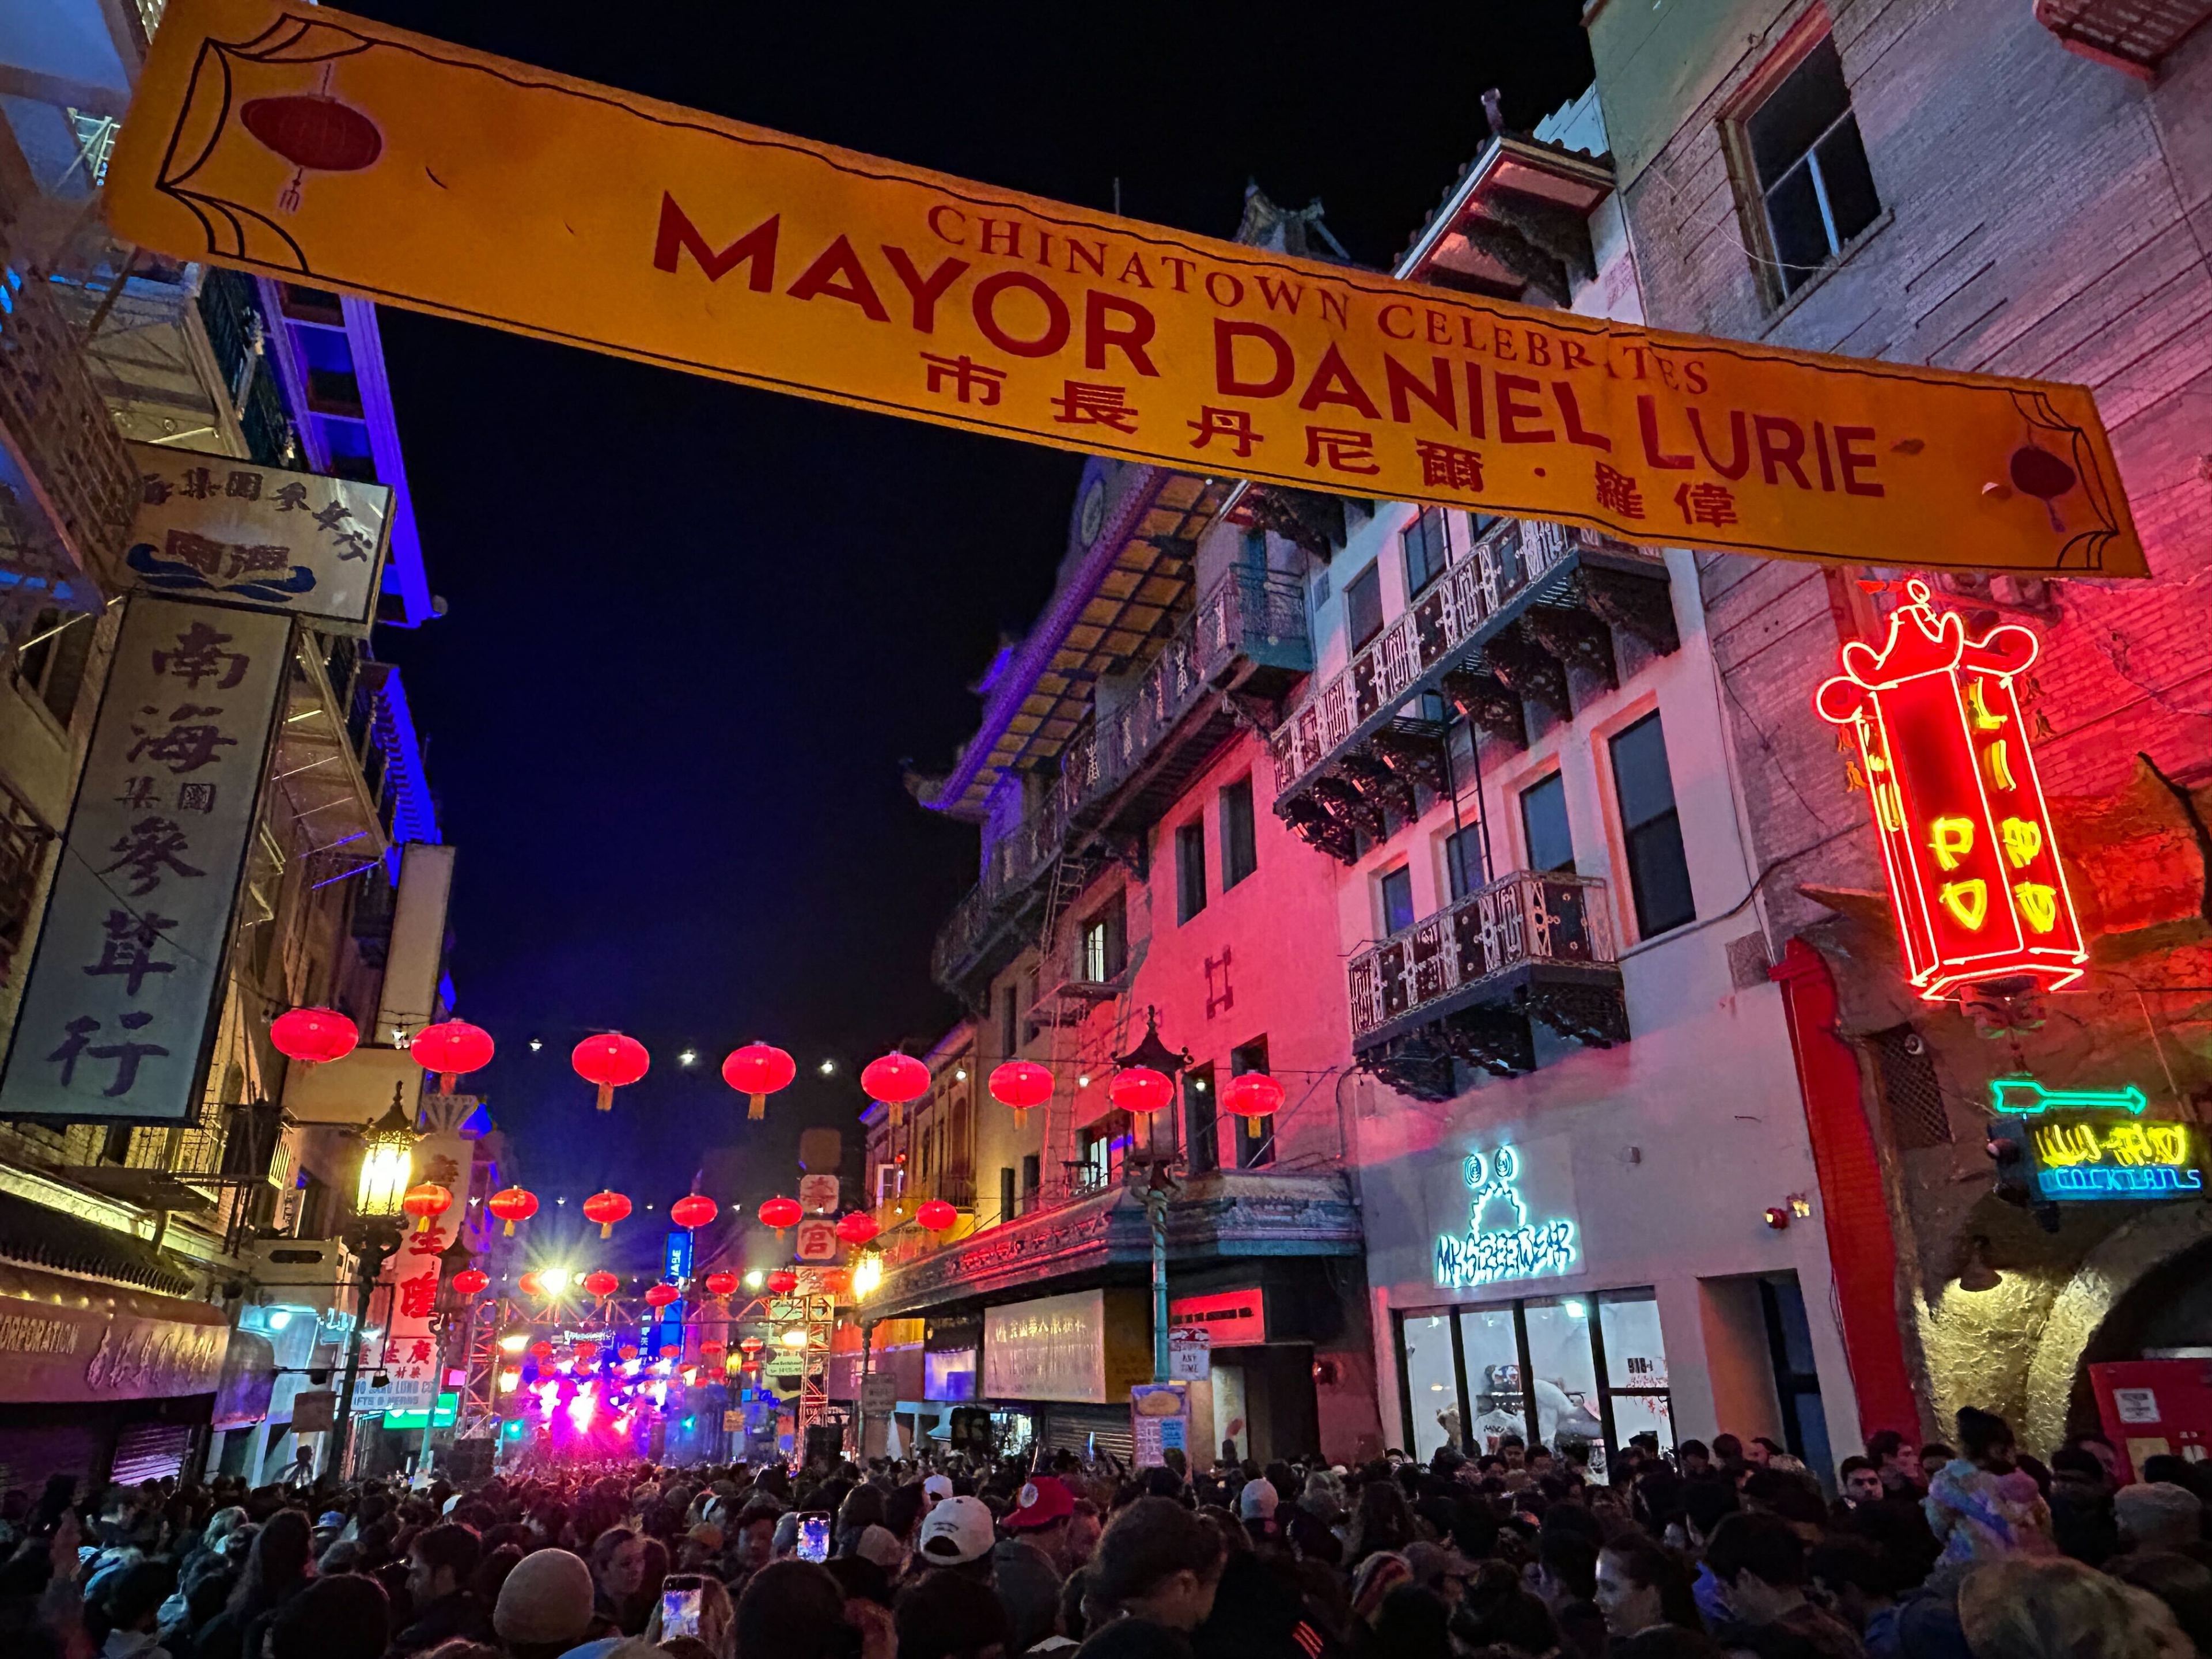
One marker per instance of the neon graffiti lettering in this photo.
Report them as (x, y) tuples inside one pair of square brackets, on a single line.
[(1522, 1249)]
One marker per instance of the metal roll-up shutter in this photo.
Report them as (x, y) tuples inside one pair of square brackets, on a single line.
[(150, 1451), (39, 1441), (1069, 1428)]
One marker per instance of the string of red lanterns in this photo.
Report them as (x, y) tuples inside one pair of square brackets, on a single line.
[(451, 1049), (757, 1070), (1019, 1085), (610, 1060), (313, 1036), (606, 1208), (895, 1079)]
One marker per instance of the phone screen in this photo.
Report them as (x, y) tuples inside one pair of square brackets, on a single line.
[(679, 1613), (814, 1537)]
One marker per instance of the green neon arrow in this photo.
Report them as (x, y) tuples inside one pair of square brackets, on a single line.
[(2023, 1096)]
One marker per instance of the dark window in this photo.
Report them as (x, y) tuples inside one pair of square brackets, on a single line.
[(1815, 189), (1240, 853), (1190, 869), (1105, 944), (1006, 1192), (1397, 899), (53, 669), (1363, 606), (1252, 1151), (1463, 862), (1658, 874), (1200, 1133), (1253, 550), (1426, 552), (1010, 1030), (115, 1144), (1544, 821), (1032, 1172)]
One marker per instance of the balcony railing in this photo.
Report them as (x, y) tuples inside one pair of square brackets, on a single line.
[(1249, 620), (1483, 581), (58, 427), (1521, 921)]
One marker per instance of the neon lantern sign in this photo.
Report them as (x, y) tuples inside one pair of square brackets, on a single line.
[(1973, 866), (1485, 1255)]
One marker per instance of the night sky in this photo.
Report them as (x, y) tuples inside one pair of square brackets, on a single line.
[(695, 629)]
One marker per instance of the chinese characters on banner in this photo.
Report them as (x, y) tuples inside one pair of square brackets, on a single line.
[(573, 212), (1974, 864), (121, 1002), (410, 1354), (215, 528)]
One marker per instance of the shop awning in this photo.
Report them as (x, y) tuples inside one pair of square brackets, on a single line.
[(41, 1237)]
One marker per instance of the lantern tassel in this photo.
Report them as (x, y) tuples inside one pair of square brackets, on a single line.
[(1021, 1117), (445, 1083), (898, 1114), (607, 1228), (756, 1107), (508, 1231), (421, 1224), (606, 1097), (1252, 1127)]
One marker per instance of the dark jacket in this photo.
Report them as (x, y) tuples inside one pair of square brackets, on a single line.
[(458, 1615)]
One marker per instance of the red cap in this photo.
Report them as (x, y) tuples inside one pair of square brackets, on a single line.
[(1043, 1501)]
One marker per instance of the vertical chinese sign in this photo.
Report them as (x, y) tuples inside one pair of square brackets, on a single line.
[(119, 1009), (410, 1343), (1966, 835)]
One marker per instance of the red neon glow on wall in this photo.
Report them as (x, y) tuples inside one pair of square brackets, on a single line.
[(1974, 864)]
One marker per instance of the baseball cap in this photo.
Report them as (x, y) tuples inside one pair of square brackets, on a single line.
[(957, 1531), (937, 1488), (1043, 1500)]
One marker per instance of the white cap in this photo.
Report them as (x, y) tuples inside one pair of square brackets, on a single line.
[(958, 1530), (937, 1488)]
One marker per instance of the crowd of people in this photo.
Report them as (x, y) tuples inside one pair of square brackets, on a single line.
[(1965, 1551)]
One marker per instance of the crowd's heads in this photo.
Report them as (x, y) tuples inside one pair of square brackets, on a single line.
[(947, 1616), (342, 1617), (794, 1610), (1157, 1559), (1759, 1560), (957, 1531), (1638, 1584), (2023, 1607), (545, 1604), (2158, 1515)]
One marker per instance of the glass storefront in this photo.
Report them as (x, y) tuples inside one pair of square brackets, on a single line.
[(1579, 1374)]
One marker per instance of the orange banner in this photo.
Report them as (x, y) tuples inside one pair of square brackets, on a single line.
[(324, 149)]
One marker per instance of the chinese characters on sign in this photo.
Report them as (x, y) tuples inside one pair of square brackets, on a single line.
[(410, 1343), (1973, 866), (121, 999), (1501, 1241), (680, 239), (215, 528)]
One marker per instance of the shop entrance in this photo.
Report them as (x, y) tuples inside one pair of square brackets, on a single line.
[(1263, 1402), (2166, 1314)]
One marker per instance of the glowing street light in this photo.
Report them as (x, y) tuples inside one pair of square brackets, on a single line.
[(555, 1279), (867, 1275), (755, 1279), (794, 1338)]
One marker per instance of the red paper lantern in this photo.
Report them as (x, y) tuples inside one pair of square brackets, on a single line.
[(724, 1283), (779, 1213), (751, 1345), (1253, 1095), (530, 1284), (511, 1205), (313, 1036), (711, 1349), (610, 1060), (661, 1295), (426, 1203), (857, 1228), (895, 1079), (470, 1281), (601, 1284), (585, 1353), (783, 1281), (757, 1070), (450, 1049), (606, 1208), (1020, 1084), (628, 1350), (937, 1217), (1139, 1090), (541, 1349), (693, 1210)]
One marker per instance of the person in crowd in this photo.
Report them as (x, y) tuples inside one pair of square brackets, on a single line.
[(546, 1606), (1043, 1515), (1156, 1562), (441, 1567), (1640, 1587), (2018, 1607), (1861, 1481), (2158, 1515), (1759, 1561), (277, 1567)]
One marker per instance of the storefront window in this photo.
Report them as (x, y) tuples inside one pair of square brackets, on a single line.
[(1636, 1367), (1564, 1375), (1432, 1390), (1493, 1375)]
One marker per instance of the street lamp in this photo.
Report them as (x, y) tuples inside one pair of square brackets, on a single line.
[(388, 1169), (1160, 1184)]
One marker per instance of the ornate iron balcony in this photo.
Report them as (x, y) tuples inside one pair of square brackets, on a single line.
[(1462, 983), (1513, 612)]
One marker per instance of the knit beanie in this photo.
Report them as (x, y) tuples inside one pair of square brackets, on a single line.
[(546, 1599)]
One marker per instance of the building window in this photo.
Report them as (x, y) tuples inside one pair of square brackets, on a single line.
[(1427, 550), (1105, 944), (1363, 606), (1464, 865), (1544, 826), (1240, 852), (1032, 1175), (1658, 875), (1815, 191), (53, 669), (1006, 1192), (1255, 549), (1190, 869), (1396, 891), (1253, 1151), (1010, 1029), (1200, 1134)]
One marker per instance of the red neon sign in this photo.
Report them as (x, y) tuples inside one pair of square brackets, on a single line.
[(1973, 865)]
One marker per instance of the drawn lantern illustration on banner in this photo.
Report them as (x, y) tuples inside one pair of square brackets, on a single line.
[(1967, 837)]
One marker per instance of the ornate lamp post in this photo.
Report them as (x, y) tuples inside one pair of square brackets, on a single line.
[(1139, 1075), (388, 1169)]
